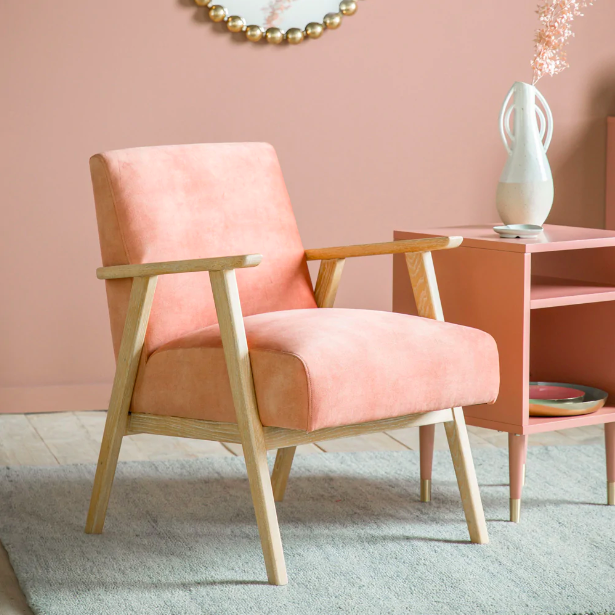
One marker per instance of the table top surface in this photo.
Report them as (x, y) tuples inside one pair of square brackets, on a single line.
[(553, 238)]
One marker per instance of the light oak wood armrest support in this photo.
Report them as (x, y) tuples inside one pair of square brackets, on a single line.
[(403, 246), (223, 263)]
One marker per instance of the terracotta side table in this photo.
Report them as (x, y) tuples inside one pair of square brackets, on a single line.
[(549, 302)]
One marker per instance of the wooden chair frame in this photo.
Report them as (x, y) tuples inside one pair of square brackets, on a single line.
[(249, 431)]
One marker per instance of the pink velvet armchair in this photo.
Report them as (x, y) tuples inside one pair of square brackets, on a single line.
[(183, 231)]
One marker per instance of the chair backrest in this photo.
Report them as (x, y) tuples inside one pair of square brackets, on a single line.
[(196, 201)]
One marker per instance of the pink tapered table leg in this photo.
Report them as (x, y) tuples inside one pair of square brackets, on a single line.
[(517, 451), (609, 437), (524, 465), (427, 434)]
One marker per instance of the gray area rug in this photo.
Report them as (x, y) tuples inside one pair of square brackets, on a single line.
[(181, 539)]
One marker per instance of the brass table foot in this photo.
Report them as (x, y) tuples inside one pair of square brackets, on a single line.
[(426, 490), (515, 510)]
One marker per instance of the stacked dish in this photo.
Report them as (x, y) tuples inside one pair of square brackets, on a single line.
[(559, 399)]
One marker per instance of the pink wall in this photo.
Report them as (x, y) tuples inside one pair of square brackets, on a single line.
[(388, 123)]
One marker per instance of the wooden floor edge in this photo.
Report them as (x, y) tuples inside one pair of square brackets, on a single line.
[(275, 437)]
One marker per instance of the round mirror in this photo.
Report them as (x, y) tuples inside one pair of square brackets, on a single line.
[(276, 21)]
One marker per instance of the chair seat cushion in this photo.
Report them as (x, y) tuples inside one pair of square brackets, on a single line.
[(316, 368)]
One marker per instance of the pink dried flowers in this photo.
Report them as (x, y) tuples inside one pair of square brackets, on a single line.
[(555, 17)]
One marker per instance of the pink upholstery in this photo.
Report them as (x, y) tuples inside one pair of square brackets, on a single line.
[(327, 367), (312, 368), (194, 201)]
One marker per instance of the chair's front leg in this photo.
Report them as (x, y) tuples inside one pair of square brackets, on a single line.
[(228, 308), (139, 307), (428, 305), (424, 285), (466, 477), (325, 291)]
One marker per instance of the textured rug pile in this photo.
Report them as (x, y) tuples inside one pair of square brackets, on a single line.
[(180, 539)]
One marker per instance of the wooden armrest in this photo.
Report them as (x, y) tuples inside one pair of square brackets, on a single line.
[(390, 247), (198, 264)]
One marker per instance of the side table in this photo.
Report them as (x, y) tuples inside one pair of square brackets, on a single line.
[(549, 302)]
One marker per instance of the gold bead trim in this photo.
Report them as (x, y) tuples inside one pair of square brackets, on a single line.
[(275, 36)]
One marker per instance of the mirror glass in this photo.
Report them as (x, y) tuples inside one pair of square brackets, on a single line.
[(283, 14)]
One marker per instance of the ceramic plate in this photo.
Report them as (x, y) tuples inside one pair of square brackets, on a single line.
[(518, 231), (540, 392), (593, 400)]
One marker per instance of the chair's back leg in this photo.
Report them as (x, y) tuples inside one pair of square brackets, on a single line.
[(466, 477), (281, 470), (139, 307), (228, 308)]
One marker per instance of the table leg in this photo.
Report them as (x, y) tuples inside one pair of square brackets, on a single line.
[(517, 451), (524, 465), (426, 444), (609, 441)]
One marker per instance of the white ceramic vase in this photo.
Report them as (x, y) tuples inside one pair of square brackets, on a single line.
[(525, 191)]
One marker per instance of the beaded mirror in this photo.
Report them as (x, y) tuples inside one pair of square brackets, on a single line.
[(278, 21)]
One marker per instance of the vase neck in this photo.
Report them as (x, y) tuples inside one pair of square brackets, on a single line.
[(525, 107)]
